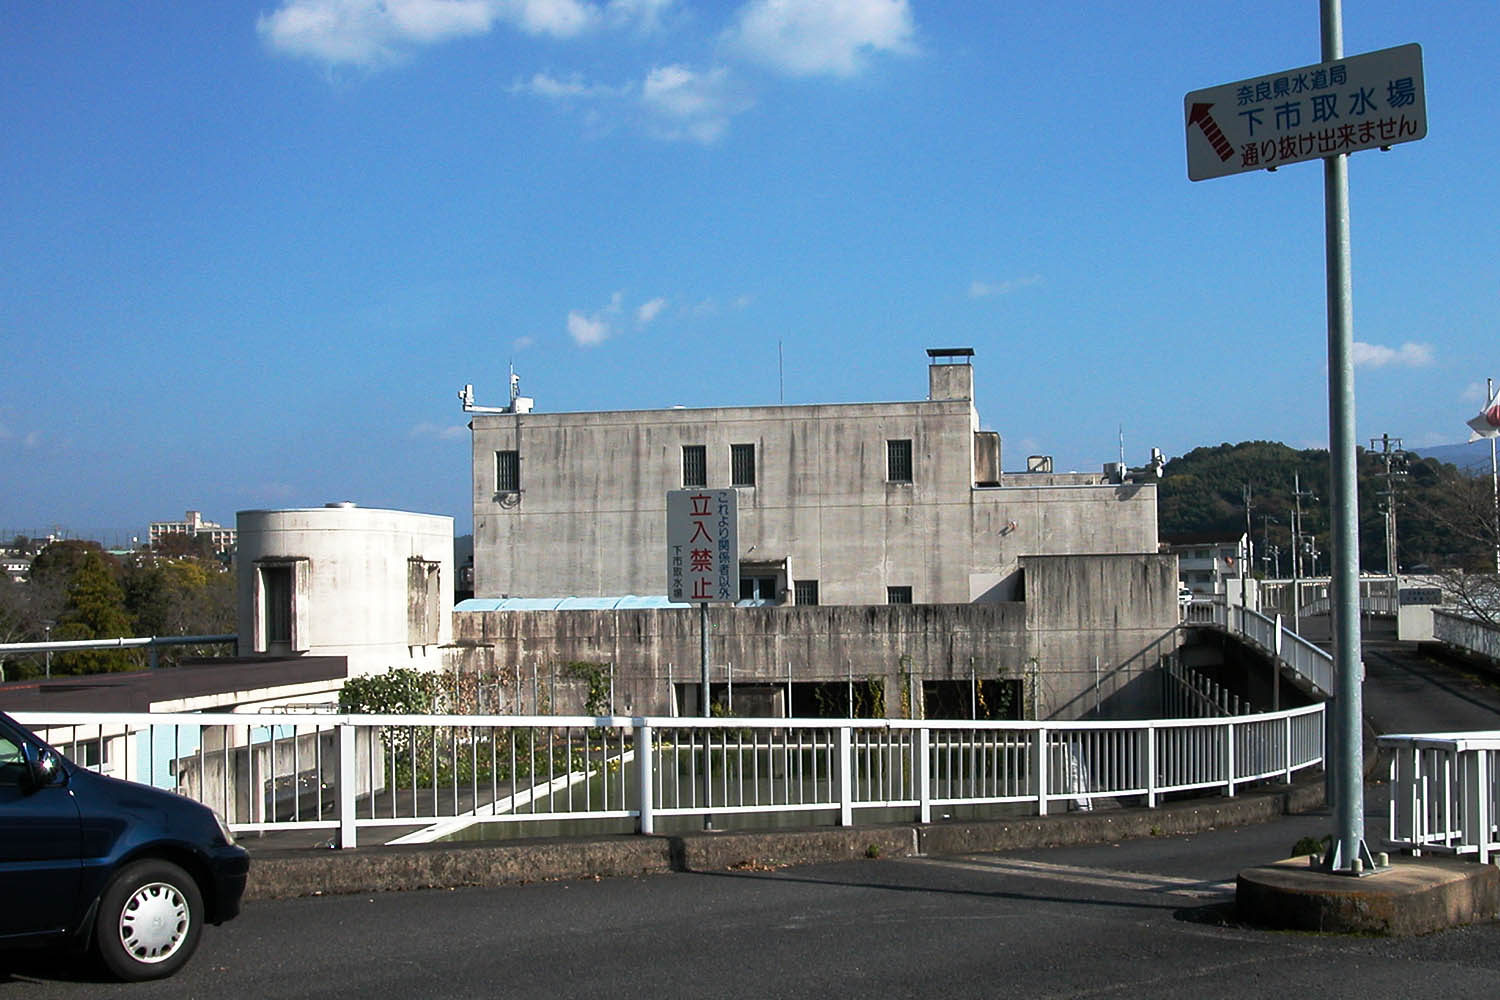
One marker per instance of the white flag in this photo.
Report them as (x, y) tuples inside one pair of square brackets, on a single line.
[(1487, 424)]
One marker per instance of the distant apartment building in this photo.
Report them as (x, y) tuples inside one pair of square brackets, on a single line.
[(15, 566), (193, 525), (839, 504), (1210, 564)]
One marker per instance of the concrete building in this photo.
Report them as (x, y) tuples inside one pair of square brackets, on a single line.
[(841, 504), (193, 525), (942, 579), (374, 586)]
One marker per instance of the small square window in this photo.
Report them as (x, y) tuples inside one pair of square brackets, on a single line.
[(898, 595), (507, 472), (806, 592), (694, 465), (742, 464), (898, 461)]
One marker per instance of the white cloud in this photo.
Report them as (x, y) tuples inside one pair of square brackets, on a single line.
[(645, 16), (380, 32), (1476, 392), (571, 87), (984, 289), (683, 103), (591, 330), (521, 343), (811, 37), (647, 312), (587, 331), (1408, 355), (26, 439), (558, 18), (438, 432)]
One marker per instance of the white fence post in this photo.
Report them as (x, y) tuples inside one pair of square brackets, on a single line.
[(1150, 767), (924, 775), (1041, 772), (645, 756), (1229, 757), (347, 835), (846, 776)]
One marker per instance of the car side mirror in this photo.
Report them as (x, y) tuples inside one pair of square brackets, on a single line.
[(41, 767)]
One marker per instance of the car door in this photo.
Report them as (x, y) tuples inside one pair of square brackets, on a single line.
[(40, 840)]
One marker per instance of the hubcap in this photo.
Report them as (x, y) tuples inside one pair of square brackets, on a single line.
[(154, 922)]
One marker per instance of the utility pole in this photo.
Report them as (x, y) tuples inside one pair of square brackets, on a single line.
[(1245, 558), (1266, 520), (1297, 494), (1489, 393), (1395, 462)]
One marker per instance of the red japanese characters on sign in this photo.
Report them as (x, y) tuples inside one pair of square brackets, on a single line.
[(703, 564)]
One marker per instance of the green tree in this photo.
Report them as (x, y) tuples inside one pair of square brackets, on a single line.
[(94, 609)]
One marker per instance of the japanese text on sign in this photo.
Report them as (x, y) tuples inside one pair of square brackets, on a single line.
[(1364, 102), (703, 546)]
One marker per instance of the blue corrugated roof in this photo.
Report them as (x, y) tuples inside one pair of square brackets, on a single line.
[(566, 603)]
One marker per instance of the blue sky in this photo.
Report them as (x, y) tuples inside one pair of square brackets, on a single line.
[(252, 251)]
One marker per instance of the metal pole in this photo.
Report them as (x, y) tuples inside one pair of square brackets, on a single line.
[(708, 820), (703, 658), (1350, 855), (1489, 394)]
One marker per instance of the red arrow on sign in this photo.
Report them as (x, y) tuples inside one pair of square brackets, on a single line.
[(1211, 130)]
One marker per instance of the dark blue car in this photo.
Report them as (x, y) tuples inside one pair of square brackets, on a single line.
[(131, 871)]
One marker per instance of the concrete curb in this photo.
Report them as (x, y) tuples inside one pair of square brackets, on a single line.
[(282, 874), (1413, 896)]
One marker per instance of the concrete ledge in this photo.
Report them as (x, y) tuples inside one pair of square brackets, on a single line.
[(1415, 896), (705, 852), (1104, 825), (282, 873)]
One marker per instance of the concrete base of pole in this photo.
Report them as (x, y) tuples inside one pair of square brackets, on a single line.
[(1413, 896)]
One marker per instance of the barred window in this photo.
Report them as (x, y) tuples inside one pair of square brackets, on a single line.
[(694, 465), (806, 592), (898, 461), (507, 472), (742, 465), (898, 595)]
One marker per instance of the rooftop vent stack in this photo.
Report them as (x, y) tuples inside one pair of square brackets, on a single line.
[(950, 373)]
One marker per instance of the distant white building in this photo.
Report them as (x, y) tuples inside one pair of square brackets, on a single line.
[(15, 566), (193, 524), (1210, 564)]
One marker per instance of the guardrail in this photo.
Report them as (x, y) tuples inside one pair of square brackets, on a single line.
[(1444, 793), (1466, 632), (1311, 664), (346, 773)]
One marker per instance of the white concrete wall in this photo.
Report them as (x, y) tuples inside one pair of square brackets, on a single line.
[(590, 519), (357, 563)]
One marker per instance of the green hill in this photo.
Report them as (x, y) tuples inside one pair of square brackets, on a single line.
[(1444, 515)]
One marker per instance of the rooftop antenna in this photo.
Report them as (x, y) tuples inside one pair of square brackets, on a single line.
[(780, 375)]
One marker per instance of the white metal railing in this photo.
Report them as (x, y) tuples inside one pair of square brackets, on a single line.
[(437, 774), (1466, 632), (1312, 664), (1444, 793)]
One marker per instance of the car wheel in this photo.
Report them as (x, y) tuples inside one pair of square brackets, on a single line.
[(150, 918)]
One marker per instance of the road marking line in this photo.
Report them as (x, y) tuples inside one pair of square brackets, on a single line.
[(1102, 877)]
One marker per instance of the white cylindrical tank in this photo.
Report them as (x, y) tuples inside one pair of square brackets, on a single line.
[(373, 585)]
